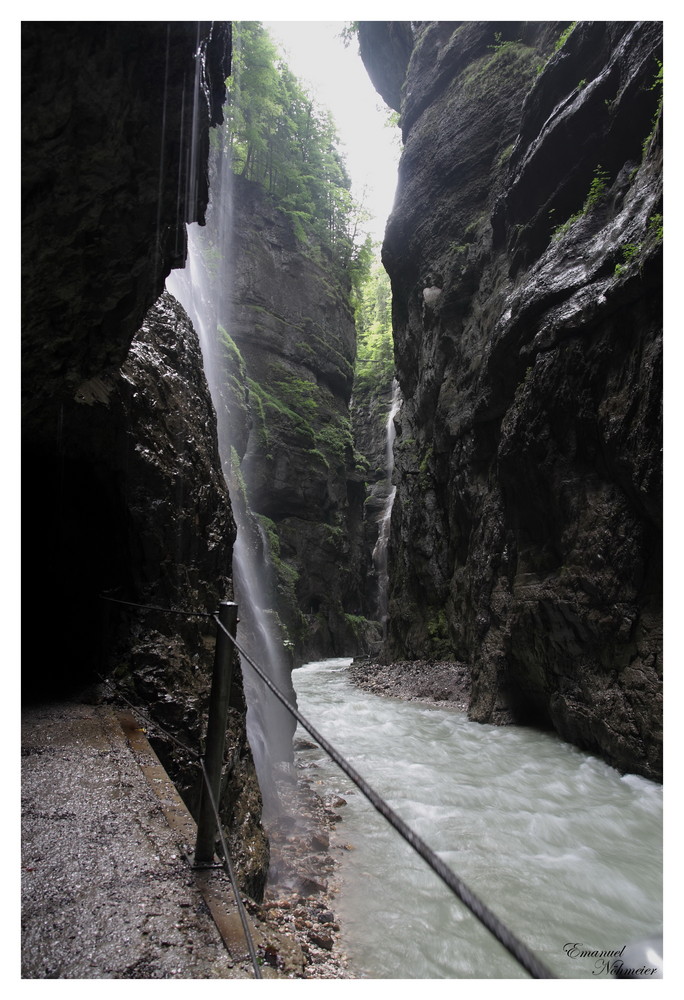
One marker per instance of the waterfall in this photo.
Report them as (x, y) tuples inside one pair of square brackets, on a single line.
[(382, 544), (205, 288)]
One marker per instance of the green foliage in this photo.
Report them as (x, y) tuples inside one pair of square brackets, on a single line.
[(658, 78), (564, 226), (438, 632), (232, 358), (335, 437), (630, 252), (505, 155), (511, 58), (359, 625), (560, 42), (392, 119), (597, 188), (374, 345), (656, 85), (359, 271), (299, 408), (274, 410), (356, 621), (237, 481), (597, 191), (500, 44), (349, 32), (564, 35), (374, 317), (285, 574), (655, 226), (278, 137), (424, 475), (374, 369), (298, 394)]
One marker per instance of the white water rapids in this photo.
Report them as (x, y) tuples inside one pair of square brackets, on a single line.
[(559, 845)]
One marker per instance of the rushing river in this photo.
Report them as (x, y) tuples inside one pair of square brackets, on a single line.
[(558, 844)]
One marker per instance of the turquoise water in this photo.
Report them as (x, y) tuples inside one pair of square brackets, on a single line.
[(558, 844)]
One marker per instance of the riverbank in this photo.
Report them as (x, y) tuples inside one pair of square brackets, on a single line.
[(299, 902), (444, 684), (560, 845)]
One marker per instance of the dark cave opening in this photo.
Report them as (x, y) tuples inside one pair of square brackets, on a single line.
[(74, 548)]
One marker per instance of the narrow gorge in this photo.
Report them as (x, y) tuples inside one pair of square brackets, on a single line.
[(525, 253), (443, 454)]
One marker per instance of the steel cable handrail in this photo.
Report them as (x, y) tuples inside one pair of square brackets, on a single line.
[(153, 607), (520, 952), (228, 865)]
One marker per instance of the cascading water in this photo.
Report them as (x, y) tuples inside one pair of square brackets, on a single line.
[(382, 544), (563, 848), (205, 289)]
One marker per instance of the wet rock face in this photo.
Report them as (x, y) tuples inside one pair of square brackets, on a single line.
[(525, 255), (385, 47), (105, 132), (293, 327), (108, 183), (122, 490), (105, 135), (144, 437)]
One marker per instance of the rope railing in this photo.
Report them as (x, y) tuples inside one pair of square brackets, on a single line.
[(520, 952), (516, 948), (228, 866), (153, 607)]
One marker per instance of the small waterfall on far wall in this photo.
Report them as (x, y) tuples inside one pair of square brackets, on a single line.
[(205, 289), (382, 544)]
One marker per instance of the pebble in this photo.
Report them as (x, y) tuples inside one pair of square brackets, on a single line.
[(434, 682), (300, 845)]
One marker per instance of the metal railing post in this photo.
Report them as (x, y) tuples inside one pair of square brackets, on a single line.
[(216, 733)]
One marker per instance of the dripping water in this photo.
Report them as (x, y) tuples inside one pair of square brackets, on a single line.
[(198, 92), (162, 163), (207, 293), (382, 544)]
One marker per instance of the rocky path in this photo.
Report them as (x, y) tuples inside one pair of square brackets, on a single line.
[(107, 888)]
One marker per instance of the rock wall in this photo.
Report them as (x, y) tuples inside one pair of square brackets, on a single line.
[(114, 163), (293, 331), (105, 134), (525, 253), (153, 442), (122, 491)]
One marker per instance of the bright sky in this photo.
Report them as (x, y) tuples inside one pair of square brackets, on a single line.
[(337, 79)]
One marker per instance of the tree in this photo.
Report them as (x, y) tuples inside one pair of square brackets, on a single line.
[(278, 137)]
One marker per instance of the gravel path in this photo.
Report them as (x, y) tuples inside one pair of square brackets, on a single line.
[(107, 888), (106, 892)]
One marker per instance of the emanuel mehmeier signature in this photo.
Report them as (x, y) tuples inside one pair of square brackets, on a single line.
[(611, 962)]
